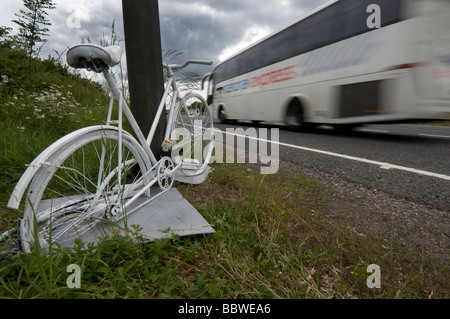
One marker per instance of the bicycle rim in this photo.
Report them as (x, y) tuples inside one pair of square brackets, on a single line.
[(193, 135), (81, 185)]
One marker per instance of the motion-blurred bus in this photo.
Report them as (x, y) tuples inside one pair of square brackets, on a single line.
[(347, 63)]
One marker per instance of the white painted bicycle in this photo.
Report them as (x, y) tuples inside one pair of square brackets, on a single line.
[(98, 173)]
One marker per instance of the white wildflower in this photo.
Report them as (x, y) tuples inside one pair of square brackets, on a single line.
[(4, 79)]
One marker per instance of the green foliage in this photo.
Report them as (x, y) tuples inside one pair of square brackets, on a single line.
[(115, 268), (32, 23), (4, 31), (36, 111)]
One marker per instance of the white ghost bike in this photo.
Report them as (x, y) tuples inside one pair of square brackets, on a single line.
[(97, 173)]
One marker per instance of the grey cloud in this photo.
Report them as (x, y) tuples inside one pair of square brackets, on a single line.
[(204, 29), (200, 29)]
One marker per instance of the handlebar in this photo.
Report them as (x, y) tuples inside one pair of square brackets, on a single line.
[(178, 67)]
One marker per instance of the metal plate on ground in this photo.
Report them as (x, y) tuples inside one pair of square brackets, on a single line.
[(193, 180), (169, 214)]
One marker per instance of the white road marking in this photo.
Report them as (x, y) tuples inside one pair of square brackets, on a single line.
[(382, 165), (431, 135)]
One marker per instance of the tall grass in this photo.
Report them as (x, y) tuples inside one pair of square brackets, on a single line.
[(34, 114)]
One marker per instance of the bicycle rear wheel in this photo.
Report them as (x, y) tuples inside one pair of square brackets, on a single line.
[(82, 183), (193, 135)]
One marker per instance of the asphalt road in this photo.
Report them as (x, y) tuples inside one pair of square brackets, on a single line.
[(408, 161)]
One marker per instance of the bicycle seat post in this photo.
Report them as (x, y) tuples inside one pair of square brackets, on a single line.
[(117, 92)]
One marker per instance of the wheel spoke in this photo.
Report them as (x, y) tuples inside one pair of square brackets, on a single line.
[(82, 178), (200, 128)]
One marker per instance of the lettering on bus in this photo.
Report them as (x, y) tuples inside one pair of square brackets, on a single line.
[(277, 76), (237, 86), (280, 75)]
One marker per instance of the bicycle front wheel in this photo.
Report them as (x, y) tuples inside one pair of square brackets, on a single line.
[(193, 135), (85, 181)]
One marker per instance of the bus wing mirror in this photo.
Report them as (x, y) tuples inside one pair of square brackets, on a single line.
[(206, 76)]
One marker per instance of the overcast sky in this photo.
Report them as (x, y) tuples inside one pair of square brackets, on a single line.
[(201, 29)]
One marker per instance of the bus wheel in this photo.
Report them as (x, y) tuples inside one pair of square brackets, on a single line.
[(222, 115), (294, 115), (345, 128)]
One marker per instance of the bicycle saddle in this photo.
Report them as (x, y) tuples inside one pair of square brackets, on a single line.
[(94, 57)]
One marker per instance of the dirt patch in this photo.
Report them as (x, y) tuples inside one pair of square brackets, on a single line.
[(367, 212), (417, 227)]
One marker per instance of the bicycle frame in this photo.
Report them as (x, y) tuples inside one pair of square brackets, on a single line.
[(132, 192), (176, 103), (172, 107), (125, 109)]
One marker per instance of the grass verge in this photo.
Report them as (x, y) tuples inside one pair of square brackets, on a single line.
[(273, 240)]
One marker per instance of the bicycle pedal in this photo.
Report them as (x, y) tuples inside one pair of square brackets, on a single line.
[(190, 164)]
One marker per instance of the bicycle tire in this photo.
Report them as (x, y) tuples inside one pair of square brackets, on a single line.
[(79, 185), (193, 133)]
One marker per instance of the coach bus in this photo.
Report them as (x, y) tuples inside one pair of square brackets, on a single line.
[(347, 63)]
